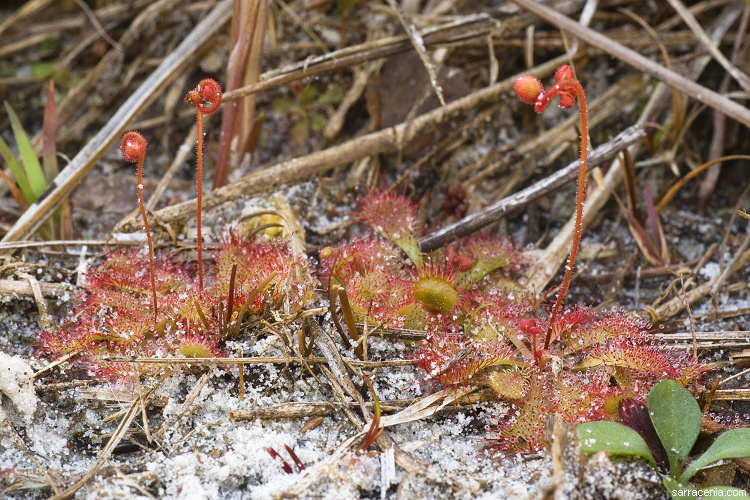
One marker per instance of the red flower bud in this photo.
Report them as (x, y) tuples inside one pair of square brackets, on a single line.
[(528, 326), (211, 95), (207, 96), (564, 72), (567, 99), (133, 146), (528, 88)]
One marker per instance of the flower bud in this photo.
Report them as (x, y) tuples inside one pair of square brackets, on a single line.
[(528, 88), (133, 146)]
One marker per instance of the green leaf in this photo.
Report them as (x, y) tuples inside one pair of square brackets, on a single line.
[(30, 162), (734, 443), (283, 105), (308, 94), (300, 132), (677, 420), (333, 95), (43, 70), (678, 490), (616, 438), (318, 122), (18, 172)]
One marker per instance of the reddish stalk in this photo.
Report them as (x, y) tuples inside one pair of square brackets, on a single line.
[(133, 148), (531, 91), (206, 98)]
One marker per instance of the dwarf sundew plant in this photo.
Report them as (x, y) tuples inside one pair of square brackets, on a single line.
[(118, 312), (482, 329), (440, 289)]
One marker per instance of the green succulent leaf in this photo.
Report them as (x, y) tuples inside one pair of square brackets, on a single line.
[(30, 162), (734, 443), (614, 437), (677, 420)]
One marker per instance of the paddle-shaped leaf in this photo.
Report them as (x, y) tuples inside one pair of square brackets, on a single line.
[(616, 438), (677, 420), (734, 443)]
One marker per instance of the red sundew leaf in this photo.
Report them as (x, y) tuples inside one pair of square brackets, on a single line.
[(382, 298), (389, 214), (454, 359), (360, 256), (635, 415)]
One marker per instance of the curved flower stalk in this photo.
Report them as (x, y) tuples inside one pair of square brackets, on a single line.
[(530, 90), (206, 98), (133, 148)]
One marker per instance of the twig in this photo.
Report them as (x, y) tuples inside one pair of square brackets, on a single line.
[(48, 290), (517, 201), (79, 166), (184, 409), (732, 266), (689, 19), (383, 141), (105, 453), (418, 43), (97, 25), (323, 408), (53, 243), (248, 361), (541, 272), (36, 289), (351, 56), (698, 92), (676, 305)]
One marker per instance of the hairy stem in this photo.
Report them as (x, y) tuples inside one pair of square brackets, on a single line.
[(148, 234), (580, 197), (199, 197)]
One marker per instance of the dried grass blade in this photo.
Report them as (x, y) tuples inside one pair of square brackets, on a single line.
[(237, 122), (351, 324), (79, 166), (698, 92), (375, 429)]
